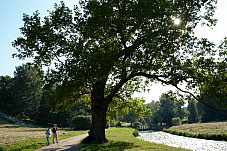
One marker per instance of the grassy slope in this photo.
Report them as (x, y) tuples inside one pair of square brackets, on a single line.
[(122, 139), (213, 131)]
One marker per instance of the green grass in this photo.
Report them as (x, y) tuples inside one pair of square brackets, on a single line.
[(21, 138), (120, 139), (212, 131), (36, 143)]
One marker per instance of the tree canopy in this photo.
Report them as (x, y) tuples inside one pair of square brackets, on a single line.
[(104, 48)]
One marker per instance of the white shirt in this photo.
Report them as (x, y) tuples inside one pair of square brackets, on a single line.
[(48, 132)]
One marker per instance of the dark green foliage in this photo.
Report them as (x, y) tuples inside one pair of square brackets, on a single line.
[(81, 123), (166, 110), (180, 109), (154, 118), (130, 110), (129, 118), (44, 109), (6, 83), (192, 108), (206, 113), (27, 90), (20, 96), (107, 54), (176, 121), (136, 125), (118, 124)]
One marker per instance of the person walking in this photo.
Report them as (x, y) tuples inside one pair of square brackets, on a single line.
[(55, 133), (48, 134)]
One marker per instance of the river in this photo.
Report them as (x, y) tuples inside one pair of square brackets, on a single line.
[(194, 144)]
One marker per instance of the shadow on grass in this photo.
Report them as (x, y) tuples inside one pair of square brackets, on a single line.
[(110, 146), (11, 126)]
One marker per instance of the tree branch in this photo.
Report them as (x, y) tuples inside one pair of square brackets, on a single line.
[(157, 77)]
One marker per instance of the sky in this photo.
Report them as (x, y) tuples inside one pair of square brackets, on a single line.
[(11, 14)]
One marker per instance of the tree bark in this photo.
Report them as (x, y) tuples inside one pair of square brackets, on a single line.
[(98, 109)]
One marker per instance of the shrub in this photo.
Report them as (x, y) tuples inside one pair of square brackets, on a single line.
[(136, 125), (112, 123), (135, 133), (176, 121), (118, 124), (81, 122)]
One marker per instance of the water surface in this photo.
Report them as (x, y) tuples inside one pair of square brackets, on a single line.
[(194, 144)]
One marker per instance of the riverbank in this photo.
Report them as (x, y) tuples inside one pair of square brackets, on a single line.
[(210, 131), (194, 144), (123, 139)]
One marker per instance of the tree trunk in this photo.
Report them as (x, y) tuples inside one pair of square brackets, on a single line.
[(98, 109)]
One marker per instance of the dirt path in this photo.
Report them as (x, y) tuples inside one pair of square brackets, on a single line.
[(69, 144)]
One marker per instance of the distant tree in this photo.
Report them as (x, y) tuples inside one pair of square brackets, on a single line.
[(153, 118), (221, 115), (185, 113), (6, 93), (27, 90), (166, 110), (179, 109), (44, 109), (193, 116), (79, 108), (129, 118), (131, 110), (104, 54), (206, 113)]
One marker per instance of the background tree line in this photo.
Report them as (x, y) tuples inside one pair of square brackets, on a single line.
[(25, 96), (167, 110)]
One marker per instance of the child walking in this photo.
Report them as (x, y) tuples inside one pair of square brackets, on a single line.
[(48, 134)]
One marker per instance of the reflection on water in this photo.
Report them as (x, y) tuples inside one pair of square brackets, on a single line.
[(183, 142)]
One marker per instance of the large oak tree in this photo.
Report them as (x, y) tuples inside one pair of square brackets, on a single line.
[(105, 48)]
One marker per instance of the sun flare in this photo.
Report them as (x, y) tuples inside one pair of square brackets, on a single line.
[(176, 21)]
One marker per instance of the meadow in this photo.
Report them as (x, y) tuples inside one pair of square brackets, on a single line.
[(212, 131), (120, 139), (20, 138)]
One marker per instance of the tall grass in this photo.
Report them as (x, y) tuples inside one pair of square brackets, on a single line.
[(211, 131), (120, 139)]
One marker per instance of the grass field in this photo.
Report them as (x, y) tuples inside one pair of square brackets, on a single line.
[(10, 133), (121, 139), (213, 131), (20, 138)]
